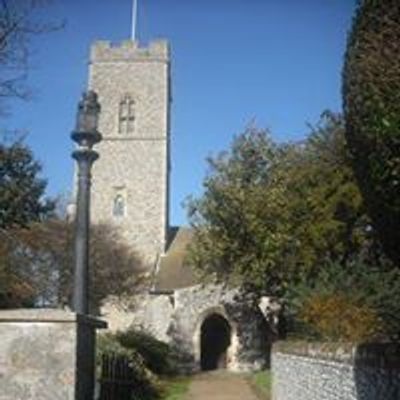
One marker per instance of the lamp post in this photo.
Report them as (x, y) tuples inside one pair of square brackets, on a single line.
[(85, 135)]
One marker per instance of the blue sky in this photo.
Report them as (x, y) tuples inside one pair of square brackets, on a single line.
[(275, 62)]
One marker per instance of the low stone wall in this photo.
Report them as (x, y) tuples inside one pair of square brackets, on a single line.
[(46, 354), (332, 371)]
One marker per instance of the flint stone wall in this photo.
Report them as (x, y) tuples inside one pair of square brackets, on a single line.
[(176, 318), (305, 371), (46, 354), (133, 165)]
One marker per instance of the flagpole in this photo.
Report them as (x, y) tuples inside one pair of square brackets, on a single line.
[(134, 19)]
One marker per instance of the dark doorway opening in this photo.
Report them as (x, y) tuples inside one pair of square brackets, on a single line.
[(215, 340)]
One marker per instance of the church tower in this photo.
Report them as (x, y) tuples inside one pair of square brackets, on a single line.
[(130, 187)]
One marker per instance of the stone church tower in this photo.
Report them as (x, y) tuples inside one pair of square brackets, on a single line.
[(131, 178)]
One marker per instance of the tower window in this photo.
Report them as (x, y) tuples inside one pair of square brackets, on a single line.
[(118, 206), (126, 123)]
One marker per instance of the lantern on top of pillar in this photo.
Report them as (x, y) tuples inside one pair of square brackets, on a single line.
[(86, 136)]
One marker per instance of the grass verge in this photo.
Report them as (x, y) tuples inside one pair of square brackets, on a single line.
[(261, 383), (175, 388)]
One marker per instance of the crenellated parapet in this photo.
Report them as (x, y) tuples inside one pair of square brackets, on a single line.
[(129, 50)]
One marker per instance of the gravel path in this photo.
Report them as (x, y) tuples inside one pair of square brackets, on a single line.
[(220, 386)]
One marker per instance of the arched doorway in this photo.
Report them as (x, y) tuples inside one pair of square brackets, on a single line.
[(214, 342)]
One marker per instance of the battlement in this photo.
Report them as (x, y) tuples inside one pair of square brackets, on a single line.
[(129, 50)]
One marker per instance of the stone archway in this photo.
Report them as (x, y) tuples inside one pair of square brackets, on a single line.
[(215, 339)]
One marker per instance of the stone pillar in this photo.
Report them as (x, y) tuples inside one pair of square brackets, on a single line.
[(47, 354)]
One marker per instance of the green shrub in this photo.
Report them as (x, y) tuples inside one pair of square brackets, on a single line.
[(350, 303), (108, 344), (147, 382), (144, 360), (336, 317), (156, 355)]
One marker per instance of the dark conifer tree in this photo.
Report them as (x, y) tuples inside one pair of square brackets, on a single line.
[(371, 95)]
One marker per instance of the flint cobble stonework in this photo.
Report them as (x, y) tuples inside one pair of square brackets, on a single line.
[(336, 372), (134, 164)]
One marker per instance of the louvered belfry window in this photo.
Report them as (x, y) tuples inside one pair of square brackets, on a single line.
[(126, 116)]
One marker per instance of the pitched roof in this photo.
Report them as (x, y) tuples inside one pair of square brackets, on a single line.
[(173, 272)]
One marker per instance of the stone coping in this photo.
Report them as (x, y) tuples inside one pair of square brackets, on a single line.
[(49, 315), (376, 355)]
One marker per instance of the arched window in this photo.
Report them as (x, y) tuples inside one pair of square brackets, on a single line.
[(126, 122), (118, 206)]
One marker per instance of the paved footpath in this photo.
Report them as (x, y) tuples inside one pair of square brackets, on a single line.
[(220, 386)]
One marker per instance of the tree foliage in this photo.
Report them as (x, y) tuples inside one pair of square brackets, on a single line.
[(21, 187), (271, 213), (21, 203), (336, 317), (357, 302), (371, 93), (235, 228), (15, 289), (37, 265)]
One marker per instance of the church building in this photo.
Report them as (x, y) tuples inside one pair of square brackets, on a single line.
[(212, 326)]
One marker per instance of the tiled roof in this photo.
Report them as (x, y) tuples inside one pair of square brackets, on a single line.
[(173, 272)]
